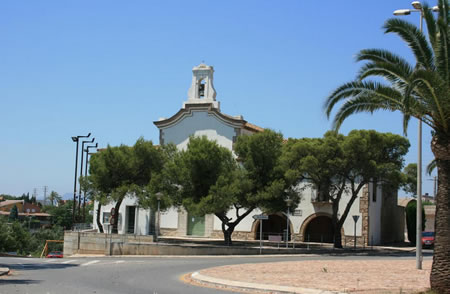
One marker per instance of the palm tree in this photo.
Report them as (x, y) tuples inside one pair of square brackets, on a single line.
[(421, 91)]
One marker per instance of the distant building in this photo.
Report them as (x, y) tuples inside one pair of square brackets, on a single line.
[(380, 219), (26, 210)]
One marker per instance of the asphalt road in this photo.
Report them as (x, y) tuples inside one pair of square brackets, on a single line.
[(154, 275)]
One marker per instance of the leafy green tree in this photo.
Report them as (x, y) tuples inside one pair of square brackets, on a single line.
[(14, 213), (336, 165), (120, 171), (205, 178), (409, 184), (7, 240), (421, 91), (411, 220), (61, 215)]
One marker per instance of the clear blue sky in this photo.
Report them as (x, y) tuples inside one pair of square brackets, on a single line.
[(113, 67)]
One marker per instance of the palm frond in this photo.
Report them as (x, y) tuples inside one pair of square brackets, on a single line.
[(406, 119), (414, 38), (431, 25), (443, 50), (362, 96), (431, 166), (388, 71), (385, 56), (436, 96)]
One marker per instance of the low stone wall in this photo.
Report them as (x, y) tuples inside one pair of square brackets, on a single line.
[(97, 243)]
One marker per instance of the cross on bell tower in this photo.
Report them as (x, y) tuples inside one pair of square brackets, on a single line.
[(202, 88)]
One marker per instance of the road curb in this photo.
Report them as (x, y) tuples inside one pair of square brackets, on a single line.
[(4, 271), (196, 276)]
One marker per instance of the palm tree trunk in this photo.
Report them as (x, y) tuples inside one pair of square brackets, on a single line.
[(440, 272)]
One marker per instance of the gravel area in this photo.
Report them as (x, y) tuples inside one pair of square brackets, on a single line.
[(359, 276)]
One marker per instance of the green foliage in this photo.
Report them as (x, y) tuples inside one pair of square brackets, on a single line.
[(205, 178), (120, 171), (337, 164), (13, 214), (409, 183), (61, 215), (411, 221), (15, 237)]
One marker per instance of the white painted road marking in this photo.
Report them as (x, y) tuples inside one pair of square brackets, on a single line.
[(69, 261), (90, 262)]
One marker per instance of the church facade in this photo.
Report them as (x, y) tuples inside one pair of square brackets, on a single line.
[(378, 215)]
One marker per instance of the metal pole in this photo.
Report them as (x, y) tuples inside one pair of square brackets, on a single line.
[(287, 227), (354, 245), (419, 185), (260, 236), (84, 192), (81, 174), (158, 219), (75, 182)]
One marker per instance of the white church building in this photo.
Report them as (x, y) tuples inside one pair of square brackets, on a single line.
[(380, 220)]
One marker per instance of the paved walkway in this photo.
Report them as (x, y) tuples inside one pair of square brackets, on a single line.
[(323, 276)]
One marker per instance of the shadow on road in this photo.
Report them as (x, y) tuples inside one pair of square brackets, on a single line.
[(37, 266), (18, 281)]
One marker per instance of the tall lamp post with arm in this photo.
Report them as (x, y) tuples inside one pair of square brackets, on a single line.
[(418, 8), (76, 139), (85, 173), (288, 201), (81, 173)]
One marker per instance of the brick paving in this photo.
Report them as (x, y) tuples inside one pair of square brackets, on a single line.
[(352, 276)]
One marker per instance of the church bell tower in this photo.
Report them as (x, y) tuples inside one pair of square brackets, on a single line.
[(202, 88)]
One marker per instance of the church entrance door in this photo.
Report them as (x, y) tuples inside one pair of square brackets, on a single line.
[(320, 229)]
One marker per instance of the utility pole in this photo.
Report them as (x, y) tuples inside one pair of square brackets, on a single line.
[(45, 194), (35, 194)]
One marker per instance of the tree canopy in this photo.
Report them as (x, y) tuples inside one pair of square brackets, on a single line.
[(206, 178), (336, 165), (123, 170)]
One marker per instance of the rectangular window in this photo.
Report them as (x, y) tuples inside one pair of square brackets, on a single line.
[(106, 217), (374, 190)]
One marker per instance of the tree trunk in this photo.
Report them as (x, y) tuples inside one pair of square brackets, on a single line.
[(227, 237), (440, 271), (99, 224), (116, 217), (337, 237)]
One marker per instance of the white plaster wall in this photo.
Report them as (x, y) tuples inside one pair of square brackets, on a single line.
[(169, 219), (305, 208), (142, 217), (375, 215), (200, 123)]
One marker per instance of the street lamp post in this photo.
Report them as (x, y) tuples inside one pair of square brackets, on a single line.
[(86, 172), (158, 219), (418, 8), (288, 201), (76, 139), (81, 173)]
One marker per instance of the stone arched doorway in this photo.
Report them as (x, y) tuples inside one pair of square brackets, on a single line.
[(318, 228), (274, 226)]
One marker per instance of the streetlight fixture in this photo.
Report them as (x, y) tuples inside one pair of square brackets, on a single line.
[(86, 172), (76, 139), (288, 201), (418, 8), (158, 197), (81, 173)]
